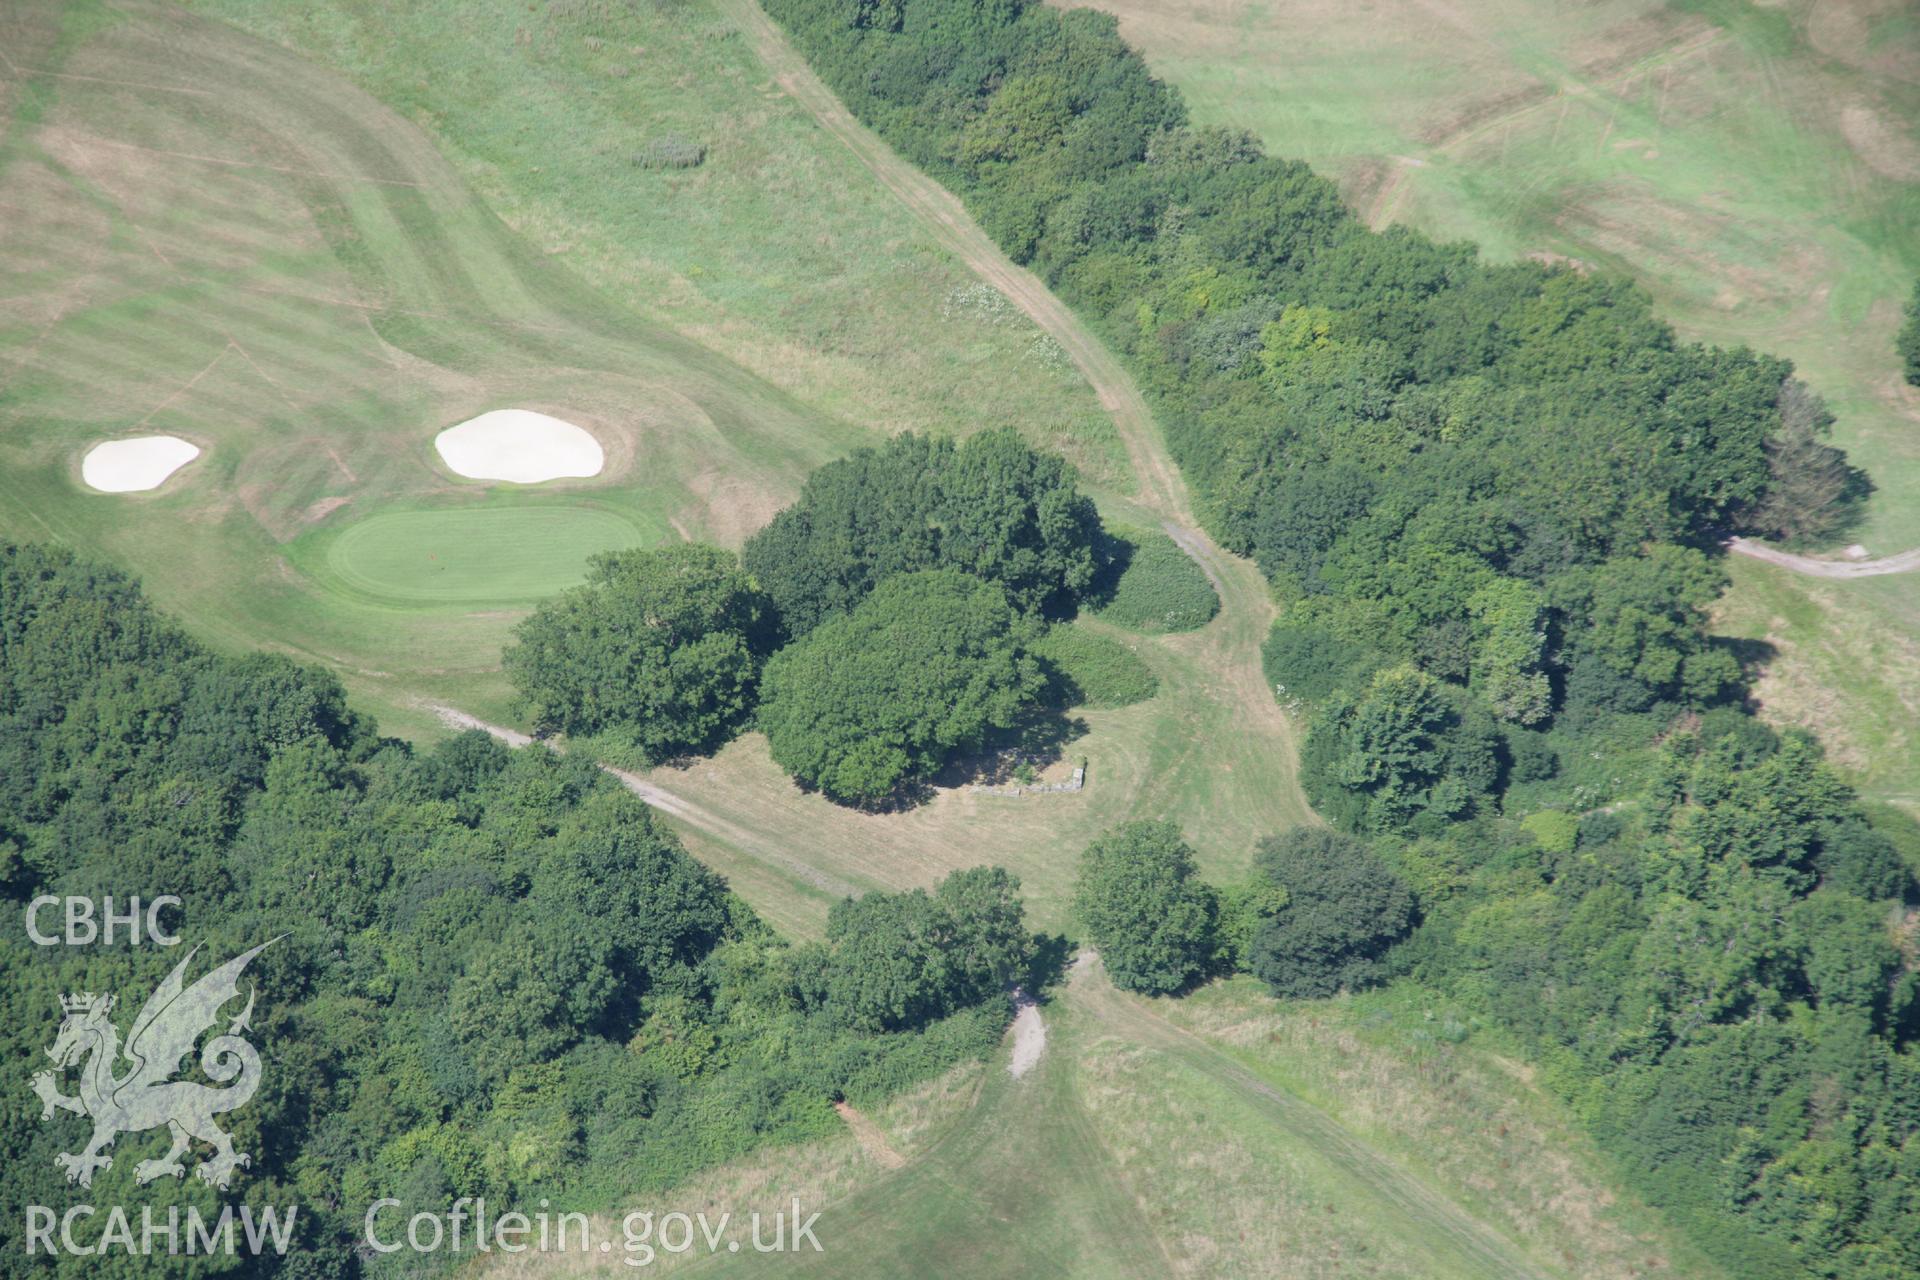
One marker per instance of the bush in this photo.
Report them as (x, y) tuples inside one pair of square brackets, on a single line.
[(1554, 831), (1306, 660), (1907, 345), (926, 666), (1087, 669), (1158, 587), (671, 153)]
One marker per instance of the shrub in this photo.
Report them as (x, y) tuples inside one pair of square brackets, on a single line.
[(1158, 587), (1555, 832), (1304, 659), (1907, 345), (671, 153)]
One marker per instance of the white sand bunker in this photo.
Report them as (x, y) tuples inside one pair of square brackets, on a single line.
[(129, 466), (519, 445)]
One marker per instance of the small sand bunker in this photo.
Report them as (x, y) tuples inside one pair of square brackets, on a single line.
[(519, 445), (135, 464)]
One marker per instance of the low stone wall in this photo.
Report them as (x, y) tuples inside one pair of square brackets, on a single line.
[(1075, 783)]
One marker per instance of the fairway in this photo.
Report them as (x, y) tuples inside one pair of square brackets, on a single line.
[(511, 555)]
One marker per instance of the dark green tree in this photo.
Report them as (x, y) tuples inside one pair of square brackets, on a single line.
[(661, 646), (991, 506), (1644, 618), (1344, 909), (899, 960), (926, 666), (1813, 492), (1145, 907)]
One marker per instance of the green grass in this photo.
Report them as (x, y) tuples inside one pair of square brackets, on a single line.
[(1844, 662), (1221, 1136), (510, 555), (1094, 668), (1160, 589), (210, 236), (778, 250)]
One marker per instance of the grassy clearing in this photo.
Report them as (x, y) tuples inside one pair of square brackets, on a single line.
[(1845, 663), (776, 250), (1757, 168), (1184, 754), (1385, 1071), (1096, 669)]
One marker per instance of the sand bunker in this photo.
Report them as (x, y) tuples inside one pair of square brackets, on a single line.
[(519, 445), (129, 466)]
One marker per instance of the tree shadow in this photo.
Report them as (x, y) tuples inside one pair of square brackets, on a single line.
[(1052, 957), (1116, 553), (1035, 743)]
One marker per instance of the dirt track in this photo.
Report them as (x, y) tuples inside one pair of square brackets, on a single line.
[(1905, 562)]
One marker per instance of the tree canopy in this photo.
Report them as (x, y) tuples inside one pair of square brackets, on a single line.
[(926, 666), (905, 959), (660, 646), (498, 974), (990, 506), (1344, 907), (1145, 907)]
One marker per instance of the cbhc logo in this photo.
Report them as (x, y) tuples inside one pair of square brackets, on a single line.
[(84, 927)]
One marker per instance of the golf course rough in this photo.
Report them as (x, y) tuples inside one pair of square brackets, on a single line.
[(136, 464), (521, 446)]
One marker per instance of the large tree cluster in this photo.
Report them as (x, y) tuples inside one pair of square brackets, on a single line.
[(990, 506), (883, 623), (498, 974)]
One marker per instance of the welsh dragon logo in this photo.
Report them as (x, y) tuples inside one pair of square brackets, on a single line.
[(145, 1095)]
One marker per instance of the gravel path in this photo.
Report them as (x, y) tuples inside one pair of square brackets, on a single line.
[(1905, 562), (1029, 1034)]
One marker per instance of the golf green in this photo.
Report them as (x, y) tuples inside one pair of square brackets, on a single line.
[(496, 555)]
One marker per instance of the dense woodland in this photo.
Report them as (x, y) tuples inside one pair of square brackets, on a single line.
[(1491, 498), (499, 977)]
